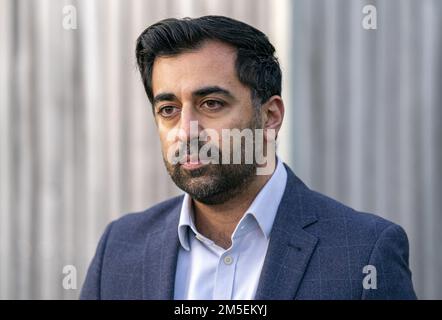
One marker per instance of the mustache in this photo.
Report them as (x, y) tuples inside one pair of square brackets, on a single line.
[(192, 149)]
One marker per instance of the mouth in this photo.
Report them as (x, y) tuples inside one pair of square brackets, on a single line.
[(191, 164)]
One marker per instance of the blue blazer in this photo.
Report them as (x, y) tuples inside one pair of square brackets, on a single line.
[(318, 250)]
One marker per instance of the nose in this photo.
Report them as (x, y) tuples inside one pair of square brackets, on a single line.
[(189, 126)]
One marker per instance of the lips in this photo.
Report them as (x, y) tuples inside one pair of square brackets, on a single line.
[(191, 164)]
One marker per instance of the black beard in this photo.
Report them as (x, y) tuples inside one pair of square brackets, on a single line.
[(213, 183)]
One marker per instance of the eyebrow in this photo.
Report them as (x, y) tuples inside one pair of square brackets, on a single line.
[(212, 89), (201, 92), (164, 97)]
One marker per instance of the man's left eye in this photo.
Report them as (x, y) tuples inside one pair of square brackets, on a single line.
[(213, 104)]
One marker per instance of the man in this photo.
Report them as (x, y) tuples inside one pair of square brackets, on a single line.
[(236, 234)]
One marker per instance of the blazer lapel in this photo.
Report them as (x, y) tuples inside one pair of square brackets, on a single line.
[(290, 247), (160, 259)]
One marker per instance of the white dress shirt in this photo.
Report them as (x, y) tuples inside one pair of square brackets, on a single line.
[(207, 271)]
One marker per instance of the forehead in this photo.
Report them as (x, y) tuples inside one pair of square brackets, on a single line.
[(211, 64)]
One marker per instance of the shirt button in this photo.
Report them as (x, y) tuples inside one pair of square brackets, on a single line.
[(228, 260)]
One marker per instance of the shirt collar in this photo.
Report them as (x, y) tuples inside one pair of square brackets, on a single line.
[(263, 208), (186, 221)]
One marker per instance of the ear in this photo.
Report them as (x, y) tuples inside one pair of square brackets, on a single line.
[(272, 114)]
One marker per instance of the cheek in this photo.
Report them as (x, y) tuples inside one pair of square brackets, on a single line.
[(238, 119), (240, 123)]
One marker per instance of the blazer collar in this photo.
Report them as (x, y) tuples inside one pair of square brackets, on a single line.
[(160, 258), (290, 247), (288, 254)]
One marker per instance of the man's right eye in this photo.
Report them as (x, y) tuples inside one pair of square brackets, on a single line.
[(167, 111)]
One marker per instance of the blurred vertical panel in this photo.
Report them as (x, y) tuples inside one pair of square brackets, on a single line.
[(6, 20), (280, 33), (431, 85), (367, 120)]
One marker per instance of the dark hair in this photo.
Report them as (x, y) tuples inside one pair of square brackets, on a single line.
[(256, 65)]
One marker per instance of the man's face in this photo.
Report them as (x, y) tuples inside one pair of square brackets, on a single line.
[(202, 85)]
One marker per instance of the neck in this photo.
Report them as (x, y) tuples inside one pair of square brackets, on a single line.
[(217, 222)]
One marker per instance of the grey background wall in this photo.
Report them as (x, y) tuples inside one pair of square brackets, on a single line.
[(78, 145)]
